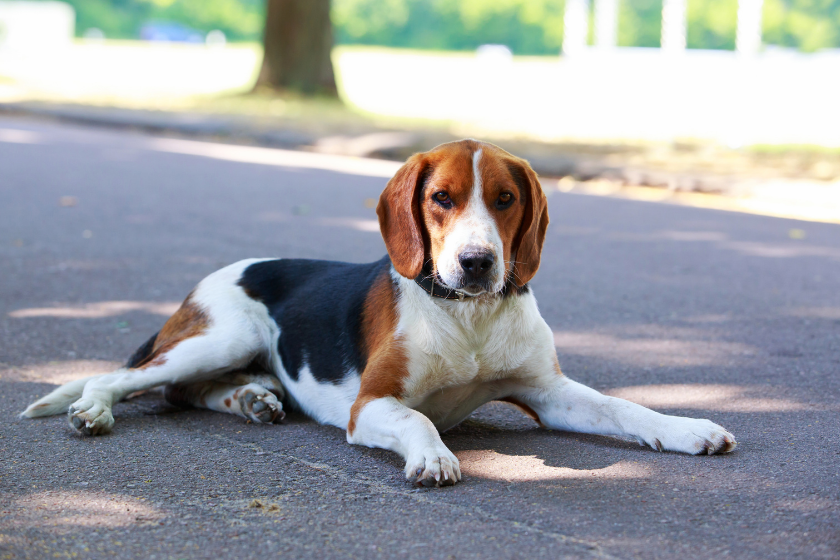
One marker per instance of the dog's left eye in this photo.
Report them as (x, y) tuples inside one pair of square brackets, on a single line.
[(443, 199), (504, 201)]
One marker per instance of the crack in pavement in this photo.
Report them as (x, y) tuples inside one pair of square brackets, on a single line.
[(590, 548)]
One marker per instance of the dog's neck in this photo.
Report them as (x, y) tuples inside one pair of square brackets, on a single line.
[(467, 312), (432, 285)]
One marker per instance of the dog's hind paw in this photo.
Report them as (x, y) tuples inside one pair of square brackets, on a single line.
[(90, 418), (259, 404)]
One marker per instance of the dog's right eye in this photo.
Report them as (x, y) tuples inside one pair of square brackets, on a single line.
[(442, 198)]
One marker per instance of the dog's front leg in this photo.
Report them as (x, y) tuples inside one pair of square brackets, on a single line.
[(570, 406), (387, 423)]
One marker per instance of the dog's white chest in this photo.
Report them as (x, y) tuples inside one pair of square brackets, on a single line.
[(459, 353)]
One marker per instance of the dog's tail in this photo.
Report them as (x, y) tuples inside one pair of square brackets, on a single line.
[(59, 400)]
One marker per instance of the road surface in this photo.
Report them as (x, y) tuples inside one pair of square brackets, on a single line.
[(719, 315)]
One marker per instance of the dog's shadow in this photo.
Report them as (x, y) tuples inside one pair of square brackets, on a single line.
[(499, 431)]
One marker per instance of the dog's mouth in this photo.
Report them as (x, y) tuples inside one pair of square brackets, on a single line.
[(472, 289)]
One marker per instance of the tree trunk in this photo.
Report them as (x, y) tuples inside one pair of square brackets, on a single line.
[(298, 42)]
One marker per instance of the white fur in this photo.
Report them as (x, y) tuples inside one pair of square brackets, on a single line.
[(325, 402), (460, 355), (389, 424), (231, 341), (463, 354), (57, 401), (566, 405), (239, 400), (475, 229)]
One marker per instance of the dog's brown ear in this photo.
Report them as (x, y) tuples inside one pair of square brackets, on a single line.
[(527, 245), (399, 217)]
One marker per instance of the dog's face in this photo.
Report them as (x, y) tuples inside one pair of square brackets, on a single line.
[(472, 213)]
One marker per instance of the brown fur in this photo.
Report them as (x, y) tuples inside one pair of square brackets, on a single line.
[(452, 173), (386, 360), (524, 408), (527, 247), (189, 321), (497, 177), (415, 227), (401, 229)]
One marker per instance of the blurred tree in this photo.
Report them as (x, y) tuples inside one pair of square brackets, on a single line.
[(297, 45)]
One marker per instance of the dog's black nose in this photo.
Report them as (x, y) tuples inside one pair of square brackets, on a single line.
[(476, 264)]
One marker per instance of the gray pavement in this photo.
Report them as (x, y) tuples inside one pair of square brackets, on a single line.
[(720, 315)]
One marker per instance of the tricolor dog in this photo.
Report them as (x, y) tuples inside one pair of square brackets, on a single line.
[(394, 351)]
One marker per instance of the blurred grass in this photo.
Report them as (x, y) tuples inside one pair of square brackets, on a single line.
[(202, 80)]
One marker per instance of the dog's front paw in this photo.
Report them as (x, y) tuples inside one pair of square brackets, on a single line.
[(260, 405), (90, 417), (434, 466), (690, 435)]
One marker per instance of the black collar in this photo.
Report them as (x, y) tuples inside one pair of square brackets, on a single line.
[(436, 289), (428, 281)]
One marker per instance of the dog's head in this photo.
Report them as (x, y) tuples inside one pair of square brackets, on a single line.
[(473, 214)]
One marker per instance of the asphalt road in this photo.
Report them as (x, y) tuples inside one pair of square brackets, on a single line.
[(726, 316)]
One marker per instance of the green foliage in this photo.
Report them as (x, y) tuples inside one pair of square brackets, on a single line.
[(536, 26), (239, 19), (117, 18), (526, 26), (808, 25), (712, 24), (122, 19), (639, 23)]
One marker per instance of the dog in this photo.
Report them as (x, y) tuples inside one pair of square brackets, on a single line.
[(394, 351)]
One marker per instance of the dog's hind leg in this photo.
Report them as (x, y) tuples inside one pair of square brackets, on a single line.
[(58, 400), (218, 329), (195, 345), (256, 397)]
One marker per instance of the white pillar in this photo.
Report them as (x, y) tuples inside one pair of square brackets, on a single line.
[(606, 23), (748, 40), (575, 26), (673, 25)]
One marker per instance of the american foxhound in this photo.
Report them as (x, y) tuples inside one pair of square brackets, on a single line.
[(393, 351)]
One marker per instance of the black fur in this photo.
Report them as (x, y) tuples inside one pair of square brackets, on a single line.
[(318, 306), (142, 353)]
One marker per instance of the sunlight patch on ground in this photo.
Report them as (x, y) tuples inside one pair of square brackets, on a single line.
[(369, 226), (782, 251), (523, 468), (58, 372), (808, 504), (649, 350), (816, 312), (129, 71), (718, 398), (276, 157), (733, 101), (98, 310), (15, 136), (68, 510)]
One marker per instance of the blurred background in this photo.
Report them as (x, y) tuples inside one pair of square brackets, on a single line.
[(735, 97)]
